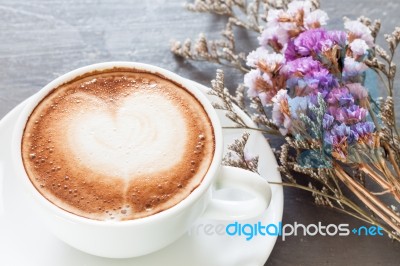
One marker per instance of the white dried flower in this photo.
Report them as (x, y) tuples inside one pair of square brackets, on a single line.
[(299, 6), (263, 56), (315, 19), (359, 47), (274, 36), (360, 31)]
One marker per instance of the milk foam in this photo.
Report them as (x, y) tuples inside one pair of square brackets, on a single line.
[(145, 134)]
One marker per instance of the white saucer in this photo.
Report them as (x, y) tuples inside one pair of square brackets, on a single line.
[(25, 241)]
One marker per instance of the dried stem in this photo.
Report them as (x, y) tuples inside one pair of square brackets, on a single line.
[(360, 214), (369, 200)]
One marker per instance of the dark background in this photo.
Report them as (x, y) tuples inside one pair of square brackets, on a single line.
[(40, 40)]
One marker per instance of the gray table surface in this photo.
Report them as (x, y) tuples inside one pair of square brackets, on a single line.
[(40, 40)]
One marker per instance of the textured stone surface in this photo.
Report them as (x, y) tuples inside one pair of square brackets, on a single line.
[(40, 40)]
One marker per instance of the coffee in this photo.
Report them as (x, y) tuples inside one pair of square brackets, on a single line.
[(117, 144)]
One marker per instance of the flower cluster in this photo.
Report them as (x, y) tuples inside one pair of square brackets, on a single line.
[(307, 84), (308, 62)]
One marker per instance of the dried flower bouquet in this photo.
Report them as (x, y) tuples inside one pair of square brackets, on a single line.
[(308, 85)]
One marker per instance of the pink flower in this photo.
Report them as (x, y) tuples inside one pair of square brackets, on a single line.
[(315, 19), (353, 68), (254, 80), (265, 98), (340, 96), (284, 25), (275, 36), (257, 55), (264, 81), (281, 19), (260, 85), (274, 16), (281, 112), (357, 30), (359, 47), (262, 56), (296, 7), (358, 91)]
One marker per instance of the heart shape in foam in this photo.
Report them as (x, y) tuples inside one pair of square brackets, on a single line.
[(142, 134)]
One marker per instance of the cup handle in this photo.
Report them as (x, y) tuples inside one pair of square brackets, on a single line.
[(237, 178)]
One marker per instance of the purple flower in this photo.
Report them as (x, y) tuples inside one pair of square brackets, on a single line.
[(349, 115), (316, 41), (337, 138), (325, 79), (314, 97), (362, 132), (307, 76), (305, 68), (339, 131), (302, 86), (312, 42), (327, 122), (301, 67), (340, 96), (290, 51), (337, 36)]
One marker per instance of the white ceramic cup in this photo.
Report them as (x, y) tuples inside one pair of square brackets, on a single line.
[(123, 239)]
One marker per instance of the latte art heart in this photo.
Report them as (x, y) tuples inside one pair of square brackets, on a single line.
[(145, 134), (117, 144)]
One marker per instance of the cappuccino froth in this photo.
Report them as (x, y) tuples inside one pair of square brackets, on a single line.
[(117, 144), (143, 128)]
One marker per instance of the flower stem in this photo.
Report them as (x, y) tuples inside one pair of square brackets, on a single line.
[(266, 131), (369, 200), (362, 215), (377, 178)]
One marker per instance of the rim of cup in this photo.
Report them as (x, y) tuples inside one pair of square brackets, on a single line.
[(34, 100)]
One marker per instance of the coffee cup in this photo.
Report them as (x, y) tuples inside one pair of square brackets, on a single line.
[(152, 220)]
